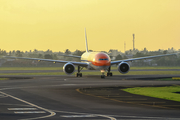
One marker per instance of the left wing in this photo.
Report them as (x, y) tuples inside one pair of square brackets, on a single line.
[(84, 64), (140, 58)]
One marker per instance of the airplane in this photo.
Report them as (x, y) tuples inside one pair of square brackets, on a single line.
[(93, 61)]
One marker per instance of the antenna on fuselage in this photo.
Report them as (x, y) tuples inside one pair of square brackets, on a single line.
[(86, 40)]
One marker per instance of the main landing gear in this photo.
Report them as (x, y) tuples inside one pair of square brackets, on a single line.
[(109, 73), (79, 74)]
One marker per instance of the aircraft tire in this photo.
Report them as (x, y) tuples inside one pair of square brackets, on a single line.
[(109, 74), (102, 76), (78, 74)]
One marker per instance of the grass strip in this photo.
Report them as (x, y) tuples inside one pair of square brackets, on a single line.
[(168, 92), (170, 79), (31, 68), (45, 73), (99, 73), (4, 78), (149, 73), (146, 68), (61, 68), (155, 67)]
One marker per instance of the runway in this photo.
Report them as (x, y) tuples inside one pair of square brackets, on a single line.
[(56, 97), (84, 70)]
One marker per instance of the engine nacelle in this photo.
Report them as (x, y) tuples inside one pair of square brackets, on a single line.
[(69, 68), (123, 67)]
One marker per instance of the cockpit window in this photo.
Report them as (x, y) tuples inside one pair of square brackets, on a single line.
[(103, 59)]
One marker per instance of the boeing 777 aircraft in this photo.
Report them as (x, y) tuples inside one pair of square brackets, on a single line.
[(94, 61)]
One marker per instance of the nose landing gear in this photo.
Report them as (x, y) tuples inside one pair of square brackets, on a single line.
[(102, 76), (109, 73)]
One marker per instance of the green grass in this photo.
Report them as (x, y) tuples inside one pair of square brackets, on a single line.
[(157, 92), (99, 73), (4, 78), (45, 73), (31, 68), (148, 73), (149, 68), (60, 68), (170, 79), (155, 67), (91, 72)]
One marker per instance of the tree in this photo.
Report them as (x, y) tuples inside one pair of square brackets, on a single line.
[(78, 52), (119, 57), (18, 53), (49, 51), (110, 50), (55, 56), (35, 51), (145, 50), (165, 52), (48, 56), (9, 52), (139, 54), (40, 56), (67, 52)]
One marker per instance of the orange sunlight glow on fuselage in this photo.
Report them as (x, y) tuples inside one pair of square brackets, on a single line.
[(97, 60)]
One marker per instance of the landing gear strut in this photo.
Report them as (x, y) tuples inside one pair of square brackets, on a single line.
[(103, 76), (79, 74), (109, 73)]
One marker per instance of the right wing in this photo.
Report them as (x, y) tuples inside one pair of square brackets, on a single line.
[(84, 64), (140, 58)]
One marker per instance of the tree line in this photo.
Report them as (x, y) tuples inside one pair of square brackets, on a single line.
[(49, 54)]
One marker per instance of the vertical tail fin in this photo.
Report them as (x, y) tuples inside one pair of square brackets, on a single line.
[(86, 41)]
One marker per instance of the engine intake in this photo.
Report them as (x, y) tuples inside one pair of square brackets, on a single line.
[(123, 67), (69, 68)]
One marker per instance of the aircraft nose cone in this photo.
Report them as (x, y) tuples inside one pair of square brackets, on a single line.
[(101, 59), (105, 63)]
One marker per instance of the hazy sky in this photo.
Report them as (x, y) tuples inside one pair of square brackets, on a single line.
[(59, 24)]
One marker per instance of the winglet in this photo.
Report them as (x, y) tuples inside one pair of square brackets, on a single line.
[(86, 40)]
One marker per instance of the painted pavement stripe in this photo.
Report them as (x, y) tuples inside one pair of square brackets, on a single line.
[(25, 112), (22, 108), (75, 116), (51, 112)]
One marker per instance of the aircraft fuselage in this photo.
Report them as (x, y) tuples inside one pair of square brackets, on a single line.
[(96, 60)]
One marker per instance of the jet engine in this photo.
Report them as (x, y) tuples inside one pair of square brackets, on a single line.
[(69, 68), (123, 67)]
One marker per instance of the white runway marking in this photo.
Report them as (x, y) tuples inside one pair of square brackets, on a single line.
[(15, 105), (81, 114), (3, 96), (73, 116), (27, 112), (22, 108), (49, 111)]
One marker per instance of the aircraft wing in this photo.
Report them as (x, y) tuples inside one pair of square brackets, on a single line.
[(140, 58), (84, 64)]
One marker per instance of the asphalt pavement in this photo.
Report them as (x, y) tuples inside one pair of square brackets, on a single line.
[(58, 97)]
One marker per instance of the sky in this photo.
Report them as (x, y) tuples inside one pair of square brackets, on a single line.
[(59, 24)]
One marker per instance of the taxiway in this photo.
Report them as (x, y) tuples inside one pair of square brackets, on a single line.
[(57, 97)]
